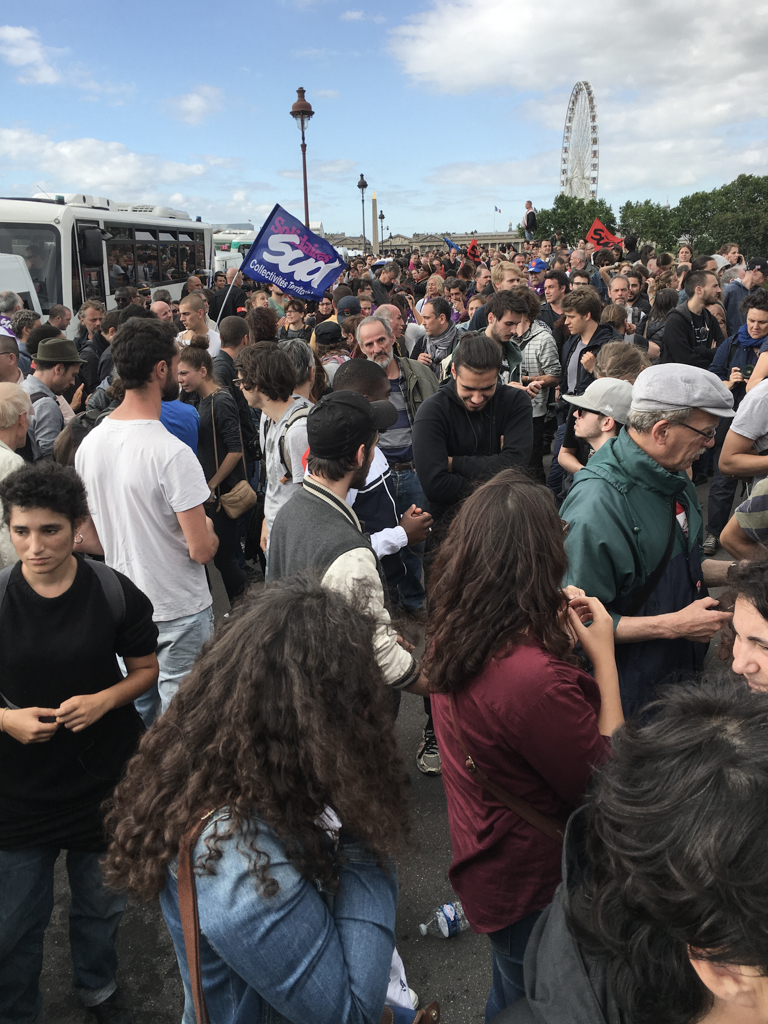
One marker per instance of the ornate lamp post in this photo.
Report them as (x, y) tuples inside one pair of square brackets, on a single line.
[(302, 112), (381, 228), (363, 185)]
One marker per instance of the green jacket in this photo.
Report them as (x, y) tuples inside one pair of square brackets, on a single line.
[(420, 382), (618, 513)]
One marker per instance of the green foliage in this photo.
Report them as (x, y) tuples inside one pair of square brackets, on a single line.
[(574, 217), (736, 212), (650, 221)]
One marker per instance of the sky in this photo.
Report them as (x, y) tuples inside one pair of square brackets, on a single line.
[(448, 107)]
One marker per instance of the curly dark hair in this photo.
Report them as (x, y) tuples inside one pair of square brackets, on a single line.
[(504, 558), (262, 324), (45, 485), (285, 713), (674, 857)]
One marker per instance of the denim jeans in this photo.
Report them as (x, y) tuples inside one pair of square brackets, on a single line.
[(408, 492), (721, 495), (508, 952), (178, 645), (26, 904)]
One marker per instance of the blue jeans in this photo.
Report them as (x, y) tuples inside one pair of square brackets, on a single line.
[(26, 903), (408, 492), (508, 952), (178, 645)]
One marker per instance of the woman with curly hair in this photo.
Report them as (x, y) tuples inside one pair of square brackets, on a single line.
[(507, 691), (282, 739)]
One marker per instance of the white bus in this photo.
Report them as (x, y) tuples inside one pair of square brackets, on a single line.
[(80, 247)]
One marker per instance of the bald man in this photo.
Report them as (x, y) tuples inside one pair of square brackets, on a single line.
[(161, 310), (192, 310), (229, 301)]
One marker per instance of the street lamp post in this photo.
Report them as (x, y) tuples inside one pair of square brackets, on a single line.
[(302, 112), (363, 185), (381, 228)]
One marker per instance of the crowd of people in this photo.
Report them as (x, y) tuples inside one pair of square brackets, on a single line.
[(497, 452)]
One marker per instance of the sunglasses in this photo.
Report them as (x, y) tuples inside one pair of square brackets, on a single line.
[(580, 411)]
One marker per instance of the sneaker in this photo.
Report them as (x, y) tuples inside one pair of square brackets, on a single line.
[(414, 998), (112, 1010), (710, 545), (428, 756)]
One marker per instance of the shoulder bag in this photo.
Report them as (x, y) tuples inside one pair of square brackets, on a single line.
[(242, 496)]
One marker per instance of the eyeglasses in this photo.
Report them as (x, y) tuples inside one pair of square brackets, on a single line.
[(586, 412), (239, 383), (709, 434)]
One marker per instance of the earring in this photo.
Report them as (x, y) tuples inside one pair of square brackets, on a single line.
[(78, 538)]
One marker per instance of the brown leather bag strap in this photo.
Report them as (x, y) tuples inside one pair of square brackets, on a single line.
[(543, 822), (190, 921)]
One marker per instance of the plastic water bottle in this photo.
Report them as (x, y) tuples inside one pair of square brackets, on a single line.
[(445, 921)]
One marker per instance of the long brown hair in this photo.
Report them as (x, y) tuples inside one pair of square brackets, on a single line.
[(496, 581), (285, 714)]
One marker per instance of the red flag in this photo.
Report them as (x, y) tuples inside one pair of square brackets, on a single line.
[(600, 236), (473, 252)]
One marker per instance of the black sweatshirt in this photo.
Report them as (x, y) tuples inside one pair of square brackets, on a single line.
[(444, 427), (681, 344)]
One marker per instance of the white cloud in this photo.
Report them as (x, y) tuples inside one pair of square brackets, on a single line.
[(194, 107), (328, 94), (352, 16), (92, 165), (21, 48), (673, 107)]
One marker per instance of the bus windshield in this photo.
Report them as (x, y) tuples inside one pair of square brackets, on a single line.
[(40, 245)]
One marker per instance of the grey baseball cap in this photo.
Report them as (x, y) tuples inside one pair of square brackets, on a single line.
[(679, 386), (608, 396)]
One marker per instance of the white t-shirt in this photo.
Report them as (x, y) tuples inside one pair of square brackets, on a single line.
[(751, 420), (138, 476), (214, 342), (295, 446)]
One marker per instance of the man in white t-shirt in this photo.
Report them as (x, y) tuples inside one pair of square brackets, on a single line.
[(745, 449), (268, 377), (146, 491), (193, 313)]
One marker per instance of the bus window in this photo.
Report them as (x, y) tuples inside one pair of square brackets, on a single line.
[(169, 262), (122, 270), (146, 263), (77, 291), (40, 245), (93, 271)]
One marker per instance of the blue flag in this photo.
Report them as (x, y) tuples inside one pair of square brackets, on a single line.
[(287, 254), (450, 244)]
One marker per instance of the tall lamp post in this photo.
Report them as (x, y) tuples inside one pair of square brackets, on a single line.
[(302, 112), (363, 185), (381, 228)]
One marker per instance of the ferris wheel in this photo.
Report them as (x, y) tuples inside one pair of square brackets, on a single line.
[(580, 156)]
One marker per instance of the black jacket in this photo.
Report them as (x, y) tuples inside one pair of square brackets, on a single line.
[(562, 985), (603, 334), (92, 352), (444, 427), (224, 369), (233, 306), (680, 343)]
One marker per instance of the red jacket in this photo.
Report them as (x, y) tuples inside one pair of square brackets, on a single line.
[(530, 723)]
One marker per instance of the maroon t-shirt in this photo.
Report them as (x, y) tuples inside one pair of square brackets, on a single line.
[(530, 723)]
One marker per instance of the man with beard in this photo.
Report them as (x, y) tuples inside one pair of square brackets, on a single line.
[(441, 337), (146, 492), (317, 530)]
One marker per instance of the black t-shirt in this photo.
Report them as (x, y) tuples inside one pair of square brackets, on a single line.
[(227, 420), (52, 649), (235, 304)]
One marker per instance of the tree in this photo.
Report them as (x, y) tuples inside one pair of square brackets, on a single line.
[(692, 220), (574, 217), (651, 222)]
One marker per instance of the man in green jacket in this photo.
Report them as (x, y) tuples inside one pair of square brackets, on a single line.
[(635, 530)]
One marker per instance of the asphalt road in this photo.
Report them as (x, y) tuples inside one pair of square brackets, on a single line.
[(456, 971)]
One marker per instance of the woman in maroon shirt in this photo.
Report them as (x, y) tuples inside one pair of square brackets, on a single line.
[(500, 636)]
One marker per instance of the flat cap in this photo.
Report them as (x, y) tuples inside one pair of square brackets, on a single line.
[(670, 386)]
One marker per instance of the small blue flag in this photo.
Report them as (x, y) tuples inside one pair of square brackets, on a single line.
[(287, 254), (450, 244)]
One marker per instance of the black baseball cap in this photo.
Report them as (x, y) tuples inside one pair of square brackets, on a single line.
[(348, 306), (758, 263), (343, 420), (328, 333)]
